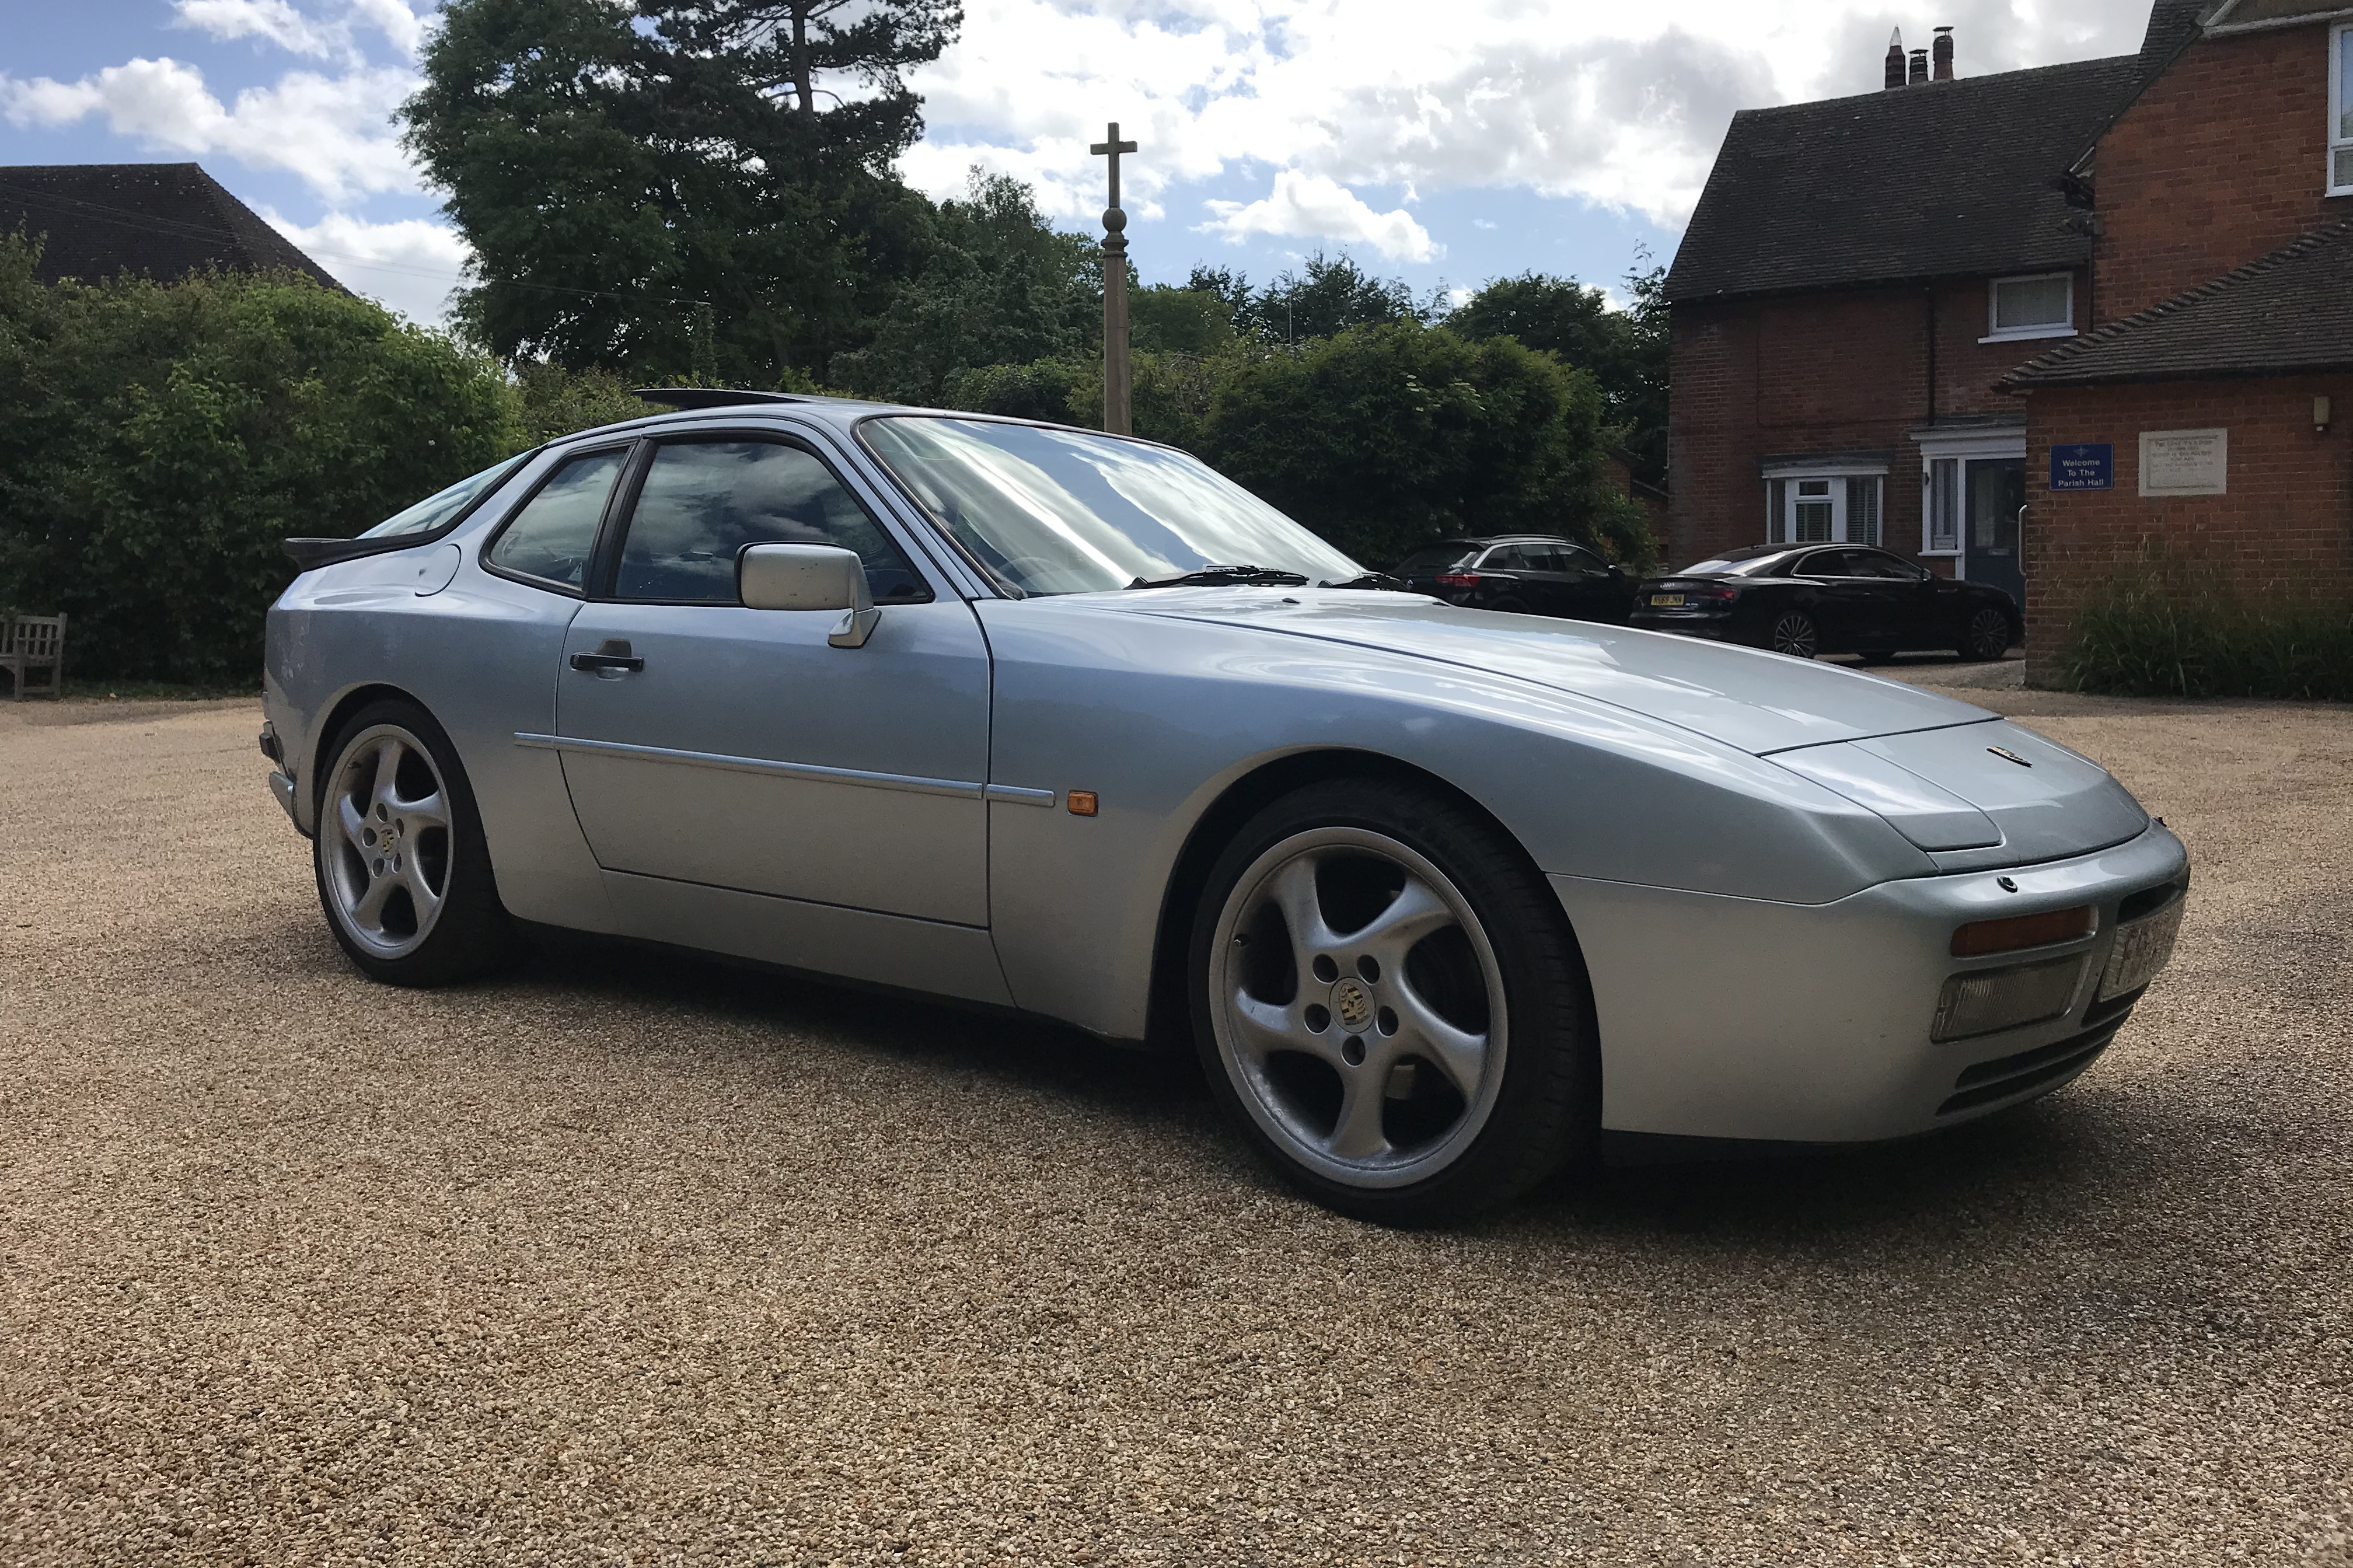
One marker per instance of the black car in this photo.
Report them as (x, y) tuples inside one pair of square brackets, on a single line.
[(1531, 574), (1830, 599)]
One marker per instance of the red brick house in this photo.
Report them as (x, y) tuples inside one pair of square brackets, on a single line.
[(1892, 314)]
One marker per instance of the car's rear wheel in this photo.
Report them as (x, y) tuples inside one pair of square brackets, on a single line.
[(1795, 634), (1390, 1004), (1988, 637), (403, 870)]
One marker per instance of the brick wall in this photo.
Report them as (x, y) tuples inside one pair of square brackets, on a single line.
[(2219, 160), (2284, 529), (1838, 371)]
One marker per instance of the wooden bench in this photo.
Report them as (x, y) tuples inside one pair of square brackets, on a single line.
[(33, 642)]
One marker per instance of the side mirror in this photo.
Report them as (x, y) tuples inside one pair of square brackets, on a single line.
[(808, 577)]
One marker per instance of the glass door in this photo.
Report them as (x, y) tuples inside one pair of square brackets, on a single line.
[(1996, 494)]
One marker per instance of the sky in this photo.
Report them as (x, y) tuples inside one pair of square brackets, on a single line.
[(1443, 145)]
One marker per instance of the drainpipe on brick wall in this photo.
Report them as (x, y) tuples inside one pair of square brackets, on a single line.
[(1929, 293)]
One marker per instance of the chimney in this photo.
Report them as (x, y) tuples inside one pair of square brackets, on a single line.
[(1895, 58), (1919, 68), (1944, 54)]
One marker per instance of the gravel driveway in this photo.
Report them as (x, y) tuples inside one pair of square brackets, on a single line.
[(632, 1259)]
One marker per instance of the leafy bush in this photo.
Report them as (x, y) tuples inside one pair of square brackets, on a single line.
[(557, 402), (157, 441), (1385, 437), (2156, 633)]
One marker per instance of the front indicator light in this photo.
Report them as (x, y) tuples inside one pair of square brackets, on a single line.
[(1996, 999), (1980, 937)]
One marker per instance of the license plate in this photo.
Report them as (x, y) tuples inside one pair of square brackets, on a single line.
[(2142, 949), (1666, 601)]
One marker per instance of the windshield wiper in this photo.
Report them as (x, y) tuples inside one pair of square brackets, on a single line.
[(1368, 580), (1266, 576)]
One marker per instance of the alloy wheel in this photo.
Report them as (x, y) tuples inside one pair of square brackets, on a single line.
[(1357, 1007), (385, 841), (1795, 635), (1989, 636)]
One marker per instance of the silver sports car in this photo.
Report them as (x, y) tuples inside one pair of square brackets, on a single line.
[(1043, 720)]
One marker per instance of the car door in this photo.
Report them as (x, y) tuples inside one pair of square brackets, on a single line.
[(1593, 591), (1903, 612), (709, 743), (1840, 603)]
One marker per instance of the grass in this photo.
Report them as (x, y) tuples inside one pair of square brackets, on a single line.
[(2154, 636)]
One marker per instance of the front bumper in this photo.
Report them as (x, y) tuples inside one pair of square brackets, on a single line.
[(1741, 1019)]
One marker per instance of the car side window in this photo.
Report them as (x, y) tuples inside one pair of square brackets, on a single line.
[(703, 501), (553, 536), (1509, 558), (1824, 563), (1582, 562), (1872, 563)]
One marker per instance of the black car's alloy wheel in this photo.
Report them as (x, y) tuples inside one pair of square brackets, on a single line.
[(1795, 634), (1389, 1004), (1988, 634)]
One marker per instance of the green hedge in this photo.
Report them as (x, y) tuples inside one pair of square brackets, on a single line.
[(2158, 633), (158, 441)]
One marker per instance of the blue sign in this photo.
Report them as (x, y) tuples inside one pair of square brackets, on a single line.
[(2084, 465)]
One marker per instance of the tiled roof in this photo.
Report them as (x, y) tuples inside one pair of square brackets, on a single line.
[(2290, 312), (1945, 179), (164, 220)]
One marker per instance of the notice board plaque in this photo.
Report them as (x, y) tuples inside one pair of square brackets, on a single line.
[(2084, 465), (2184, 462)]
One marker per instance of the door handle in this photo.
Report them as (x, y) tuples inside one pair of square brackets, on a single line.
[(611, 653)]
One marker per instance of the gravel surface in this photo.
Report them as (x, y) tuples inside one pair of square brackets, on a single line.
[(632, 1259)]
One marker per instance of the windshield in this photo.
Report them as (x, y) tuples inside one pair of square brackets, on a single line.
[(442, 506), (1062, 511)]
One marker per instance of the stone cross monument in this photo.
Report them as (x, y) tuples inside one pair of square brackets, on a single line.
[(1114, 248)]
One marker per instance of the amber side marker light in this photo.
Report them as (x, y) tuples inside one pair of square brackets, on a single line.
[(1083, 802), (1980, 938)]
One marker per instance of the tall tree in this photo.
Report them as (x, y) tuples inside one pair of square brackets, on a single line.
[(1625, 351), (1327, 296), (1000, 286), (612, 177)]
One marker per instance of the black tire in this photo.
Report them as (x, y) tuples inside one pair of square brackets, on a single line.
[(1987, 635), (468, 932), (1794, 633), (1538, 1107)]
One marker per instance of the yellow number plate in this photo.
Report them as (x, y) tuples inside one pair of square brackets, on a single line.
[(1666, 601)]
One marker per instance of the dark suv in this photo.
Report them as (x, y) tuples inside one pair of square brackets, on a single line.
[(1527, 573)]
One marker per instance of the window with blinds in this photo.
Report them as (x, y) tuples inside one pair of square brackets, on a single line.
[(2340, 112)]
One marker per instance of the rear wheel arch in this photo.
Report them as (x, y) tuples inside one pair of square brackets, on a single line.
[(1169, 1018), (313, 779)]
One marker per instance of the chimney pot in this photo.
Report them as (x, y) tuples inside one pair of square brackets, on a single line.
[(1895, 58), (1944, 55), (1919, 68)]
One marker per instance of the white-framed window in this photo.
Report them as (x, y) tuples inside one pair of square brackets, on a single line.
[(1942, 535), (2037, 305), (1824, 508), (2341, 112)]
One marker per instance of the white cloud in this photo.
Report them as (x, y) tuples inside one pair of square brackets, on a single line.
[(1621, 107), (280, 22), (272, 19), (1310, 206), (332, 131), (412, 265)]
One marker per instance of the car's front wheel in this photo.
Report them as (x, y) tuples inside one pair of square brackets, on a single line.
[(403, 870), (1390, 1004)]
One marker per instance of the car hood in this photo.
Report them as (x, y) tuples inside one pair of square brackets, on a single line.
[(1759, 702)]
